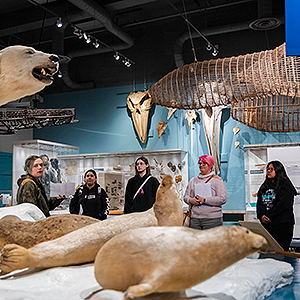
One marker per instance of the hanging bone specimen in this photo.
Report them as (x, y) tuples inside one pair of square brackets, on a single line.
[(190, 116), (139, 104), (171, 110), (236, 130), (211, 119), (267, 77), (161, 126)]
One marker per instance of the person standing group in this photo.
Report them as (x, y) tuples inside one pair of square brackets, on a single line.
[(205, 194), (275, 204), (31, 190), (90, 199), (141, 189)]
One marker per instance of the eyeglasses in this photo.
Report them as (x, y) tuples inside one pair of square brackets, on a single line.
[(200, 162), (270, 169)]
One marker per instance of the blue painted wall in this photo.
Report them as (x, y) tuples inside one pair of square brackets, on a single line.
[(5, 173), (105, 126)]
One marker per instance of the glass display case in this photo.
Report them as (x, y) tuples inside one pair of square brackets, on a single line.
[(23, 149), (114, 170)]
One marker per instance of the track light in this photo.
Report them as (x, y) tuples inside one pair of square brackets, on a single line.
[(117, 56), (59, 22), (88, 39), (209, 47), (127, 63), (96, 44), (215, 52)]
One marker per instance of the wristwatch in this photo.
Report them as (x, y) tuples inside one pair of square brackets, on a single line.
[(204, 200)]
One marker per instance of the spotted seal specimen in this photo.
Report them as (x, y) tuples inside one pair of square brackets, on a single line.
[(165, 259), (82, 245), (27, 234)]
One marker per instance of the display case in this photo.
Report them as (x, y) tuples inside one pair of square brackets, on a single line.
[(23, 149), (114, 170)]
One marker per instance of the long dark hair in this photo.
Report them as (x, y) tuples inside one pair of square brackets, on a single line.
[(145, 160), (279, 178)]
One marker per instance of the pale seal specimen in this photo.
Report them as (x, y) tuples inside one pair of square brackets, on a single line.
[(168, 259), (27, 234), (82, 245)]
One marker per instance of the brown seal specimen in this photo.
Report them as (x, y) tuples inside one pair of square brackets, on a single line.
[(82, 245), (27, 234), (168, 259)]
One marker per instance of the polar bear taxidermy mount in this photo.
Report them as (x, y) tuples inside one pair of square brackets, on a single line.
[(24, 71)]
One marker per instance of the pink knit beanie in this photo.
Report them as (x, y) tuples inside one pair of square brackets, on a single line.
[(208, 159)]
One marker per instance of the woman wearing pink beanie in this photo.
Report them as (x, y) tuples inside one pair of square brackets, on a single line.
[(205, 194)]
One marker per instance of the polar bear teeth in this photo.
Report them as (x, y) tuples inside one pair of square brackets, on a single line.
[(47, 71), (44, 73)]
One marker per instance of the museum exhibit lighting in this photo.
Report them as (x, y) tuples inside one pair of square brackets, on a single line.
[(89, 39), (209, 45), (116, 56), (215, 52), (96, 44), (59, 23)]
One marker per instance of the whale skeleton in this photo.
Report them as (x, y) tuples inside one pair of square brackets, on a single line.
[(228, 80), (263, 89)]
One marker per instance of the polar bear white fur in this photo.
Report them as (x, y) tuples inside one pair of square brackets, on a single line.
[(24, 71)]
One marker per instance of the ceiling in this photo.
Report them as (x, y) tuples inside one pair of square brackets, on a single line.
[(155, 36)]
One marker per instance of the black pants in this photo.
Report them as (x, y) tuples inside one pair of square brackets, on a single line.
[(282, 233)]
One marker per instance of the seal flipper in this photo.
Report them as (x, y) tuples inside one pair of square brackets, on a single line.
[(14, 257), (138, 290)]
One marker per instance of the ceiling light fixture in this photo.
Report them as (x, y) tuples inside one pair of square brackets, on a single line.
[(59, 74), (59, 23), (215, 52), (96, 43), (88, 39), (209, 47)]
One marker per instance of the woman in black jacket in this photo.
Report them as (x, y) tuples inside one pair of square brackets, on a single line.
[(275, 204), (141, 189), (90, 199)]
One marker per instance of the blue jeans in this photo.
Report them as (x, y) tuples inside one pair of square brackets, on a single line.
[(203, 224)]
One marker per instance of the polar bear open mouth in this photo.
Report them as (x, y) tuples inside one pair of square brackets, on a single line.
[(44, 74)]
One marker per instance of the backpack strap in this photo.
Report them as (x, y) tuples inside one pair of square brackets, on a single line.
[(26, 180)]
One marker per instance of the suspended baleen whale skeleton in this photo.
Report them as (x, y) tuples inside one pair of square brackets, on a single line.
[(263, 89)]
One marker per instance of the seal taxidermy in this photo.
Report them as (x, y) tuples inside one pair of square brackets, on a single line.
[(24, 71), (27, 234), (168, 259), (82, 245)]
